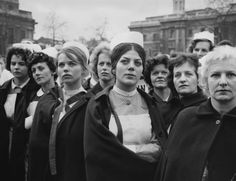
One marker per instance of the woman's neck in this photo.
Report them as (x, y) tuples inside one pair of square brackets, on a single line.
[(223, 107), (105, 84), (47, 86), (72, 86), (19, 82), (162, 93), (125, 88)]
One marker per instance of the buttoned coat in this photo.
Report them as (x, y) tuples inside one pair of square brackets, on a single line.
[(189, 144)]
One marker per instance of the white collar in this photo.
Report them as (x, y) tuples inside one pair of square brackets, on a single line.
[(13, 85), (40, 92), (93, 81), (124, 93)]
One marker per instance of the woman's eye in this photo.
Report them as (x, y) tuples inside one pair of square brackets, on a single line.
[(177, 75), (138, 63), (215, 75), (124, 61), (61, 65), (230, 75), (71, 64)]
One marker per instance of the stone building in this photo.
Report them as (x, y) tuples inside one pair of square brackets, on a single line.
[(15, 24), (174, 32)]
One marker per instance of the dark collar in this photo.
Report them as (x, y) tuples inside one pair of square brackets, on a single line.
[(193, 99), (206, 109)]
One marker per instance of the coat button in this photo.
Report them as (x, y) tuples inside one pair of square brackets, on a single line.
[(217, 121)]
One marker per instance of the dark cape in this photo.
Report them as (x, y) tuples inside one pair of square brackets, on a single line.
[(69, 133), (13, 162), (106, 158), (201, 137)]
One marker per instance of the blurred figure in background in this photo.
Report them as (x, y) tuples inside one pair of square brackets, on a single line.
[(4, 73), (101, 66), (202, 43)]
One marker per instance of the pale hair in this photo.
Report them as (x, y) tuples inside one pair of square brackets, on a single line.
[(219, 54)]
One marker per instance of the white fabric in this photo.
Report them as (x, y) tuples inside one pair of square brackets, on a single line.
[(5, 76), (68, 94), (137, 129), (204, 35), (10, 105), (127, 37), (11, 100), (82, 47)]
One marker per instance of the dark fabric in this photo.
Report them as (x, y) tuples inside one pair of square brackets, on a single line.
[(105, 157), (174, 105), (86, 85), (178, 105), (97, 88), (195, 139), (13, 164), (69, 141)]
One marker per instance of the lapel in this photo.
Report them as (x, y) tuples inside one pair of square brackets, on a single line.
[(81, 101)]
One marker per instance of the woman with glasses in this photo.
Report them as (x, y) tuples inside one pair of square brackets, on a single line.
[(56, 140), (123, 133), (16, 94)]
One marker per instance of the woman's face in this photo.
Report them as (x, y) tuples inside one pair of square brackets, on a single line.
[(159, 76), (42, 73), (201, 48), (128, 70), (222, 81), (185, 79), (70, 71), (18, 68), (104, 67)]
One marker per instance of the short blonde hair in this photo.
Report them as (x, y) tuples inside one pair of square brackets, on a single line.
[(221, 53)]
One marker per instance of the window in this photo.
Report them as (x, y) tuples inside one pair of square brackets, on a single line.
[(144, 37), (22, 34), (172, 33), (190, 33), (156, 37), (10, 35)]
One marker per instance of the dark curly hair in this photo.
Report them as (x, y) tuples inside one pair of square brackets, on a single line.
[(151, 63), (39, 57), (23, 53), (122, 48)]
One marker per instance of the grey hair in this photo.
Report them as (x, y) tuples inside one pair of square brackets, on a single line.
[(221, 53)]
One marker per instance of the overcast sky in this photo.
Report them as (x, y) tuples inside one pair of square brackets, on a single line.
[(83, 16)]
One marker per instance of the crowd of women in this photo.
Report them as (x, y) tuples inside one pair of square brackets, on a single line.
[(59, 125)]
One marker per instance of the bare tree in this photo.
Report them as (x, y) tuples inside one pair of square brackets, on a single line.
[(99, 34), (54, 26)]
